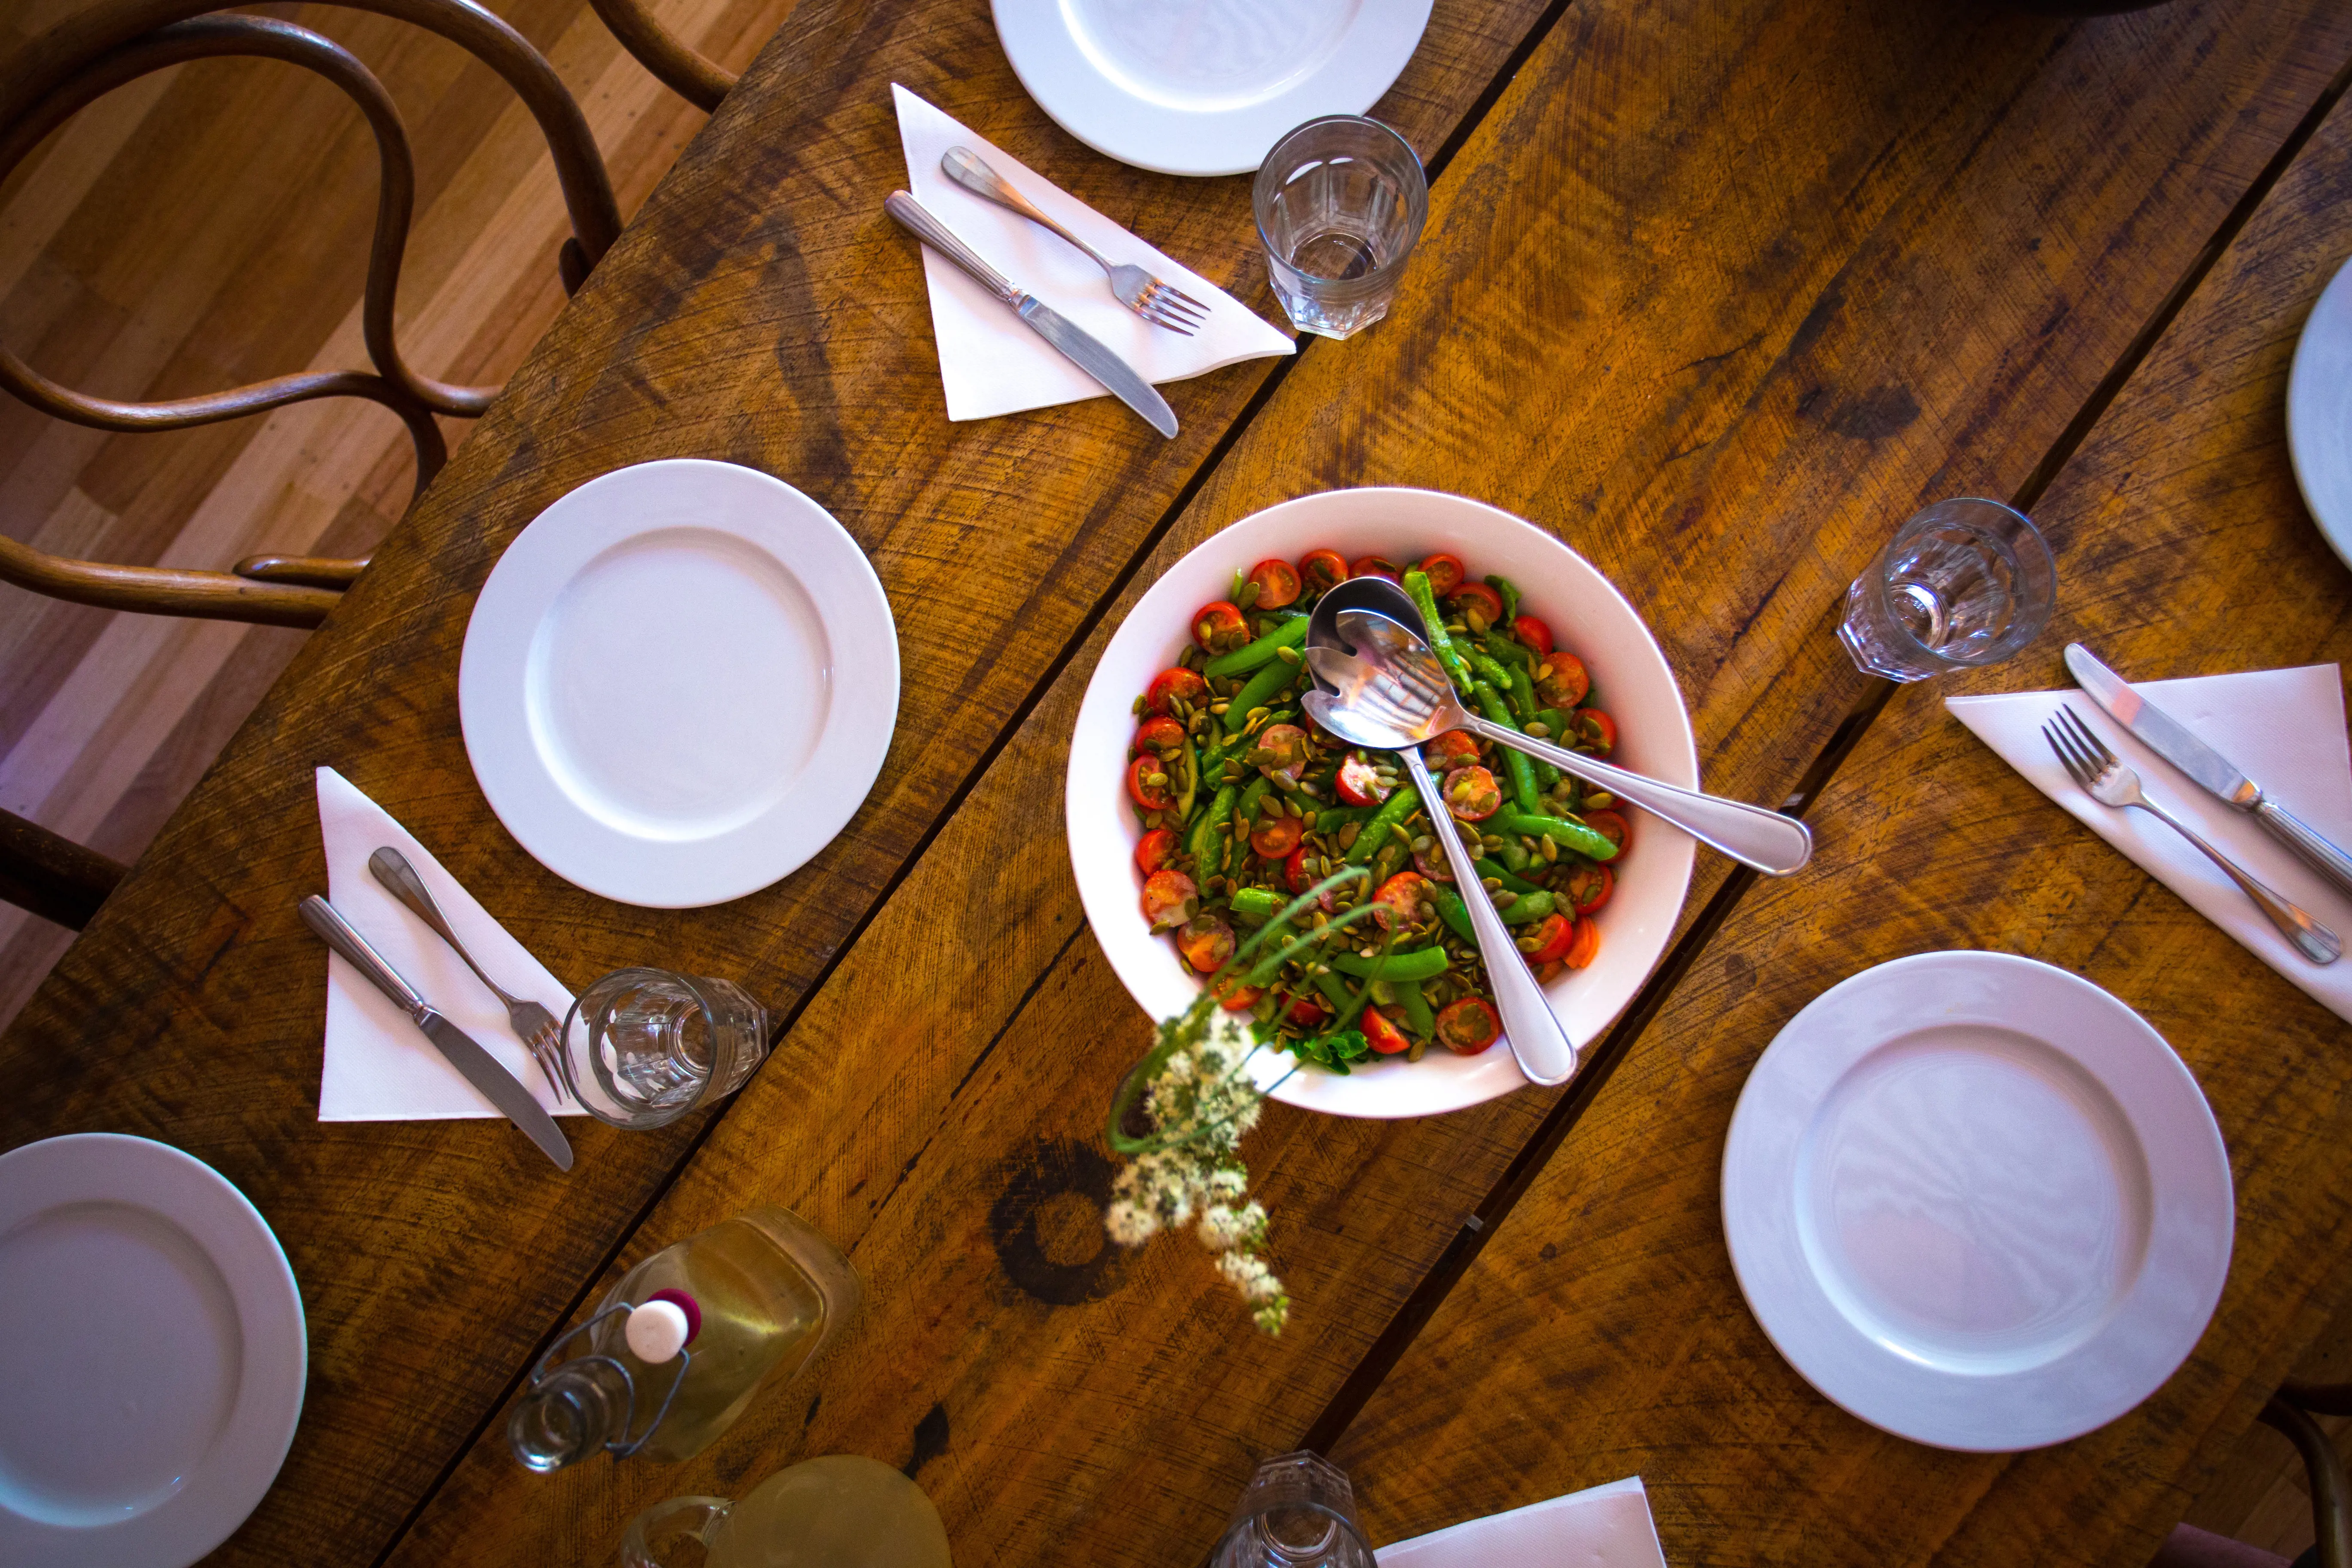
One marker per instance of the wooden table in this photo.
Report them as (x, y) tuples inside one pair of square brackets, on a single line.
[(1716, 291)]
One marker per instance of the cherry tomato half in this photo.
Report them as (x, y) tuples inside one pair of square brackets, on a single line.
[(1452, 747), (1175, 683), (1307, 1013), (1551, 936), (1589, 887), (1470, 793), (1610, 825), (1533, 633), (1477, 604), (1160, 735), (1374, 566), (1219, 629), (1155, 849), (1444, 571), (1206, 942), (1566, 684), (1383, 1034), (1596, 729), (1432, 864), (1467, 1026), (1359, 784), (1237, 997), (1140, 788), (1277, 583), (1276, 839), (1294, 871), (1401, 899), (1322, 570), (1169, 899), (1585, 948), (1281, 749)]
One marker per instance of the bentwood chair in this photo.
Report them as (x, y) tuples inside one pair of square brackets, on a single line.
[(2290, 1411), (97, 50)]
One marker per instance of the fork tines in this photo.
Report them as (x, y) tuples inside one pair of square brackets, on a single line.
[(1165, 305), (2084, 755)]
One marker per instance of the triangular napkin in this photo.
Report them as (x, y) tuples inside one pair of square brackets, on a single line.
[(1601, 1527), (992, 363), (379, 1065)]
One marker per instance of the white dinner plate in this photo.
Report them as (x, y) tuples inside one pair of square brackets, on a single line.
[(1591, 620), (679, 683), (1977, 1201), (2319, 413), (1204, 87), (152, 1355)]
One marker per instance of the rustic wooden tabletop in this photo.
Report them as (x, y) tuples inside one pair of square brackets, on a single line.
[(1716, 291)]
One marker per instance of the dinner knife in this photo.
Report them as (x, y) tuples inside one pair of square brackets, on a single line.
[(2164, 735), (1083, 350), (481, 1069)]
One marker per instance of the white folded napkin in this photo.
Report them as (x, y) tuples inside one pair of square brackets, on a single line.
[(1601, 1527), (992, 363), (379, 1065), (2284, 728)]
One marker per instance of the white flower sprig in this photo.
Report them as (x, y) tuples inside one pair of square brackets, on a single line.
[(1195, 1087)]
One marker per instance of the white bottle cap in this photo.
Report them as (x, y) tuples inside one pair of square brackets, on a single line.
[(655, 1332)]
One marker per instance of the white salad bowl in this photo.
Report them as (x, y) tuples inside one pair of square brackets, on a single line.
[(1588, 616)]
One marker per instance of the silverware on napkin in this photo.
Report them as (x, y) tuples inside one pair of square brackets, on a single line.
[(2206, 767), (1160, 303), (1086, 352), (481, 1069)]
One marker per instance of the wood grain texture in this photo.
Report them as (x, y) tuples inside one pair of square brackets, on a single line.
[(1119, 1424), (760, 310), (1602, 1332)]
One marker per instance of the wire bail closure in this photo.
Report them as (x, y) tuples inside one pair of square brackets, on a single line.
[(619, 1448)]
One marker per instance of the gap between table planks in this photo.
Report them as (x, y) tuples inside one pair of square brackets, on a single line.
[(1060, 1400), (760, 310), (1602, 1332)]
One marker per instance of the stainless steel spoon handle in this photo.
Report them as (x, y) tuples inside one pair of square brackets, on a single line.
[(1547, 1056), (1772, 843), (2307, 936), (392, 869), (963, 165)]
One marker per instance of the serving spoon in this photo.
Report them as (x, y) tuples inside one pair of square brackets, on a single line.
[(1368, 651)]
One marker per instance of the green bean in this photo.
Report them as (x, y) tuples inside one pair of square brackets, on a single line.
[(1454, 912), (1486, 667), (1417, 1016), (1340, 816), (1208, 859), (1523, 704), (1416, 584), (1252, 792), (1556, 723), (1529, 907), (1559, 830), (1259, 692), (1510, 597), (1289, 634), (1510, 650), (1421, 964), (1256, 905), (1335, 994), (1504, 875), (1516, 763), (1374, 834)]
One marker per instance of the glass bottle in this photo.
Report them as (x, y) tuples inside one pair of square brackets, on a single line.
[(676, 1350), (839, 1511)]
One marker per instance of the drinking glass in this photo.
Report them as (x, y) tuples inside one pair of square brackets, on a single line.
[(1961, 586), (644, 1046), (1339, 203), (1297, 1511)]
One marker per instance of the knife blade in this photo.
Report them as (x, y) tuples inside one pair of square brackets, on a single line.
[(1076, 344), (477, 1066), (2208, 768)]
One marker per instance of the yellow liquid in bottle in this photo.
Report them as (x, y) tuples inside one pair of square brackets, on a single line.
[(839, 1511)]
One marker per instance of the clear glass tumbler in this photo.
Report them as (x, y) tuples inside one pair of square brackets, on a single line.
[(1961, 586), (1297, 1511), (644, 1046), (1339, 203)]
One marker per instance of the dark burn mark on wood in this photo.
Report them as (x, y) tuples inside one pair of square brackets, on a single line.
[(1046, 1224), (930, 1439)]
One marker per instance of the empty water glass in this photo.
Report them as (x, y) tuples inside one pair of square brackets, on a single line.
[(1297, 1511), (1339, 203), (644, 1046), (1961, 586)]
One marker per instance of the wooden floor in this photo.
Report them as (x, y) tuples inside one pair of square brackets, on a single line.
[(208, 225)]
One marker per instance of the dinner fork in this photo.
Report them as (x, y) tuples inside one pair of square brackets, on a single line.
[(2110, 782), (534, 1025), (1162, 304)]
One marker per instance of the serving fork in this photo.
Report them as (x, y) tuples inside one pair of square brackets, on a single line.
[(2111, 782), (533, 1024), (1162, 304)]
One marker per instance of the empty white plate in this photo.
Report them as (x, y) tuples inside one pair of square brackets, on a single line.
[(679, 683), (1204, 87), (2319, 413), (1976, 1201), (152, 1355)]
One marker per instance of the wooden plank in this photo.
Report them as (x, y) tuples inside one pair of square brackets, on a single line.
[(941, 1092), (760, 310), (1602, 1333)]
